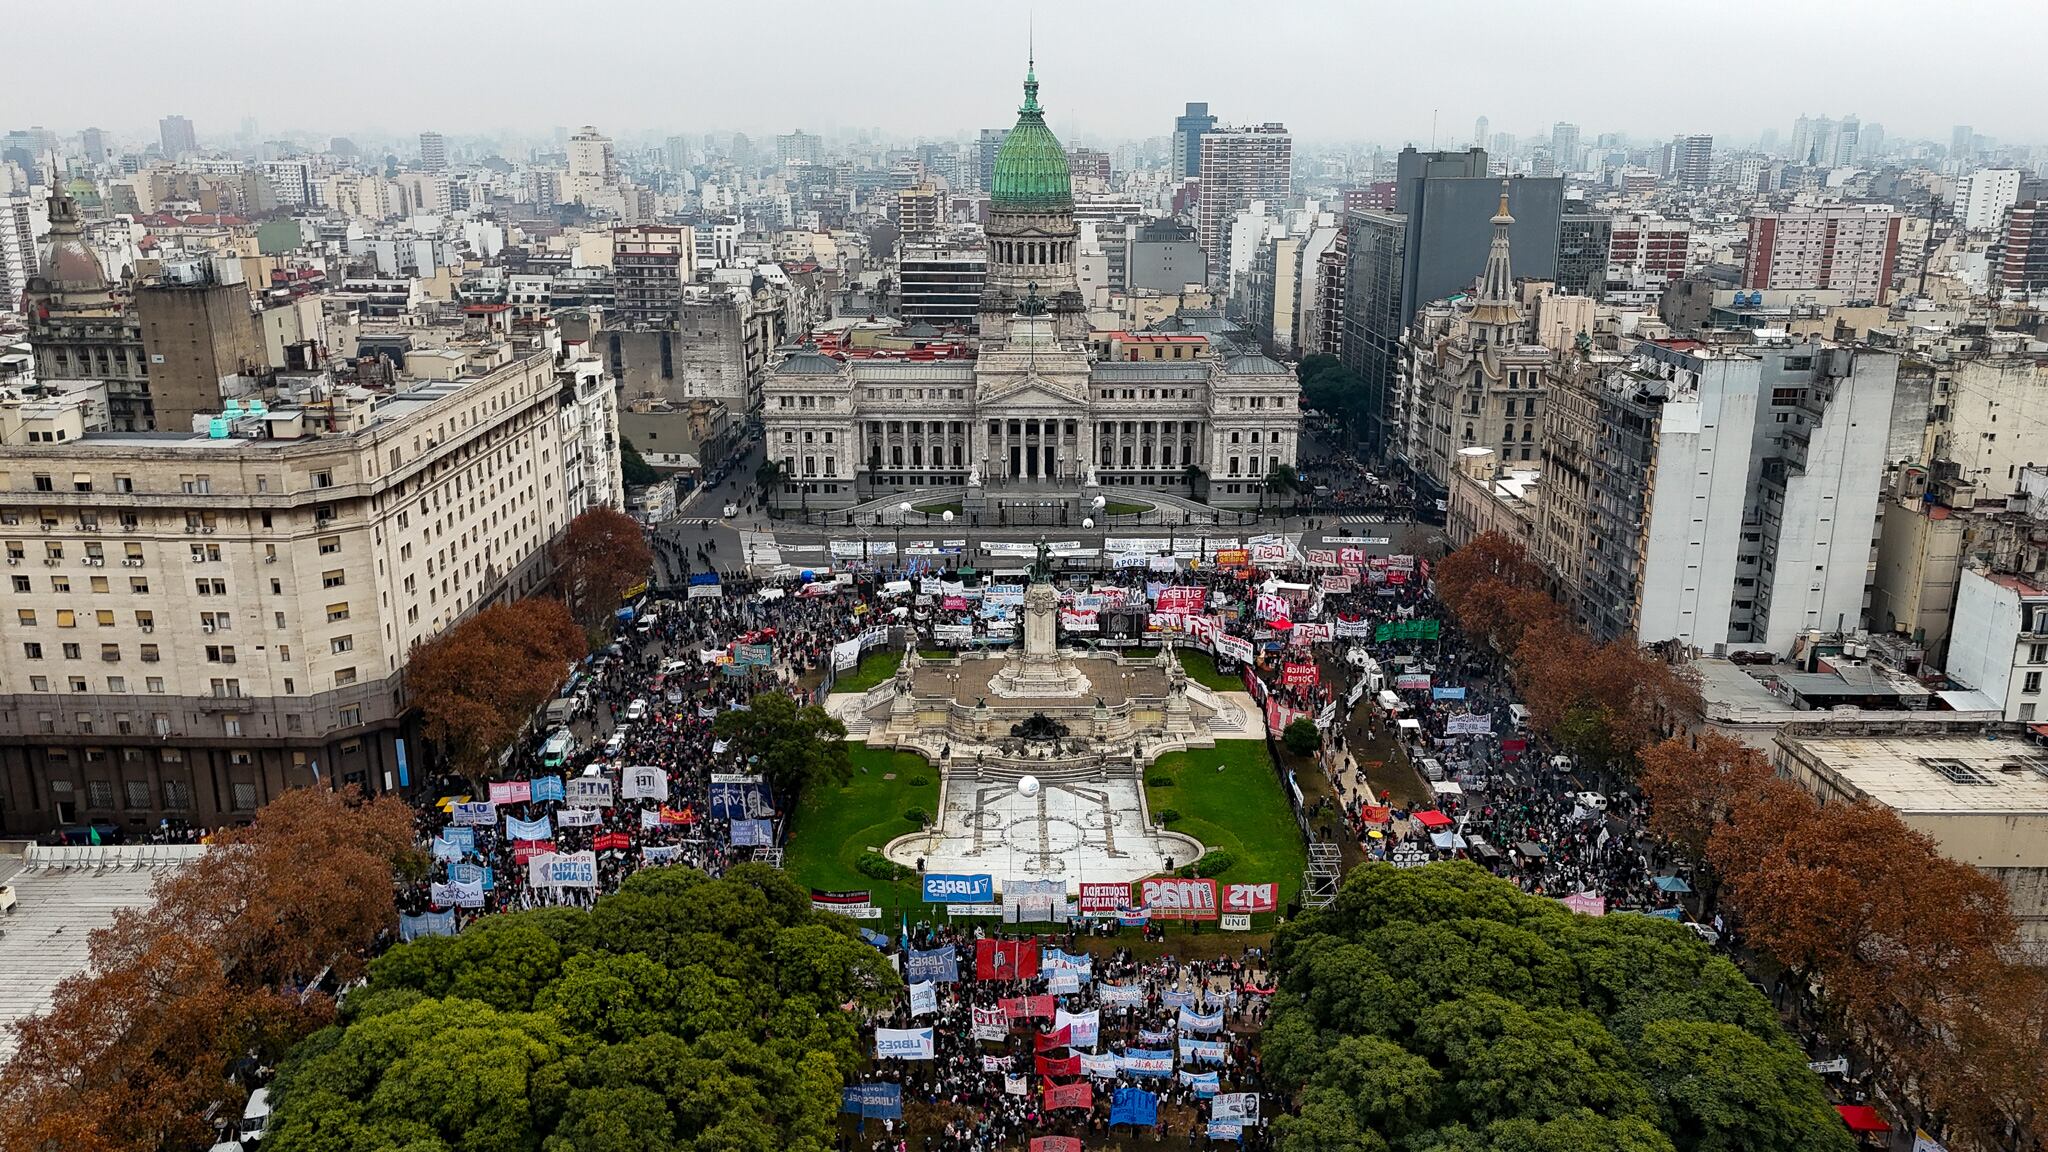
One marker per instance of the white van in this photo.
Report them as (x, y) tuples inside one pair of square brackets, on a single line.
[(1518, 714), (617, 743), (1432, 769), (256, 1116), (636, 711)]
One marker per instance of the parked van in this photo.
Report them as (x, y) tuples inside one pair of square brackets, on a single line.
[(555, 752), (636, 711), (1518, 714), (256, 1116), (1432, 769)]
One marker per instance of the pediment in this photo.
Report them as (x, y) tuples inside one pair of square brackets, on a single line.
[(1033, 392)]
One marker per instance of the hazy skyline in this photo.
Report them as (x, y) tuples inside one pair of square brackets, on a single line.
[(1329, 71)]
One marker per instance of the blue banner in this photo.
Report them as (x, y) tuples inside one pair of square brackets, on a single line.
[(517, 829), (440, 923), (447, 849), (1204, 1051), (1177, 999), (753, 834), (1148, 1036), (1193, 1021), (404, 769), (740, 799), (940, 966), (1134, 1106), (1205, 1084), (1226, 1130), (472, 874), (944, 888), (548, 788), (1082, 966), (873, 1101), (1146, 1062)]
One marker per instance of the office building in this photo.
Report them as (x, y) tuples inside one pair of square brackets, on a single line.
[(1377, 196), (1090, 167), (1584, 241), (1962, 144), (433, 152), (93, 143), (1848, 145), (986, 146), (1479, 132), (1564, 147), (650, 265), (1694, 162), (175, 134), (1434, 245), (1733, 490), (1239, 166), (1983, 196), (2019, 261), (1851, 248), (203, 620), (18, 259), (941, 284), (798, 147), (592, 166), (1188, 128)]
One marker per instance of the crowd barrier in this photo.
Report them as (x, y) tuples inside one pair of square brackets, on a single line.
[(98, 857)]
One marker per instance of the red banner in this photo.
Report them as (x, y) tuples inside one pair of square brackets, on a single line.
[(1080, 1095), (1182, 599), (953, 604), (1047, 1041), (671, 816), (1066, 1066), (1251, 897), (618, 840), (524, 850), (1300, 675), (1006, 960), (1176, 898), (1232, 557), (1055, 1144), (1026, 1007)]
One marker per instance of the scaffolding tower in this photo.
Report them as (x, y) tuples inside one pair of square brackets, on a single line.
[(1325, 869)]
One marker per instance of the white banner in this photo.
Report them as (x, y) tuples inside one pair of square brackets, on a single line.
[(846, 654), (1086, 1026), (578, 817), (903, 1044), (1242, 1106), (1236, 922), (924, 998), (645, 783)]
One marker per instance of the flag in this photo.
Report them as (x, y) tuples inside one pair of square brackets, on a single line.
[(1006, 960), (1058, 1038), (1081, 1095), (1027, 1007), (1067, 1066), (1055, 1144), (1134, 1106)]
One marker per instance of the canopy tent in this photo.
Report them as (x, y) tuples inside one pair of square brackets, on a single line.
[(1408, 725), (1448, 841), (1448, 788), (1432, 819), (1532, 850), (1672, 884), (1862, 1118)]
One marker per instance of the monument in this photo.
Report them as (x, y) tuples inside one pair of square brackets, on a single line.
[(1036, 669)]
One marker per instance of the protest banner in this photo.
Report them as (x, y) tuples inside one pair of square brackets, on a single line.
[(1251, 897), (1178, 898), (904, 1044)]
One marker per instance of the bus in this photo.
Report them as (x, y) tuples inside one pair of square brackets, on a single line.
[(555, 752)]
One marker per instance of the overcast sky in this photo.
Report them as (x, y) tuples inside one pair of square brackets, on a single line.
[(1331, 70)]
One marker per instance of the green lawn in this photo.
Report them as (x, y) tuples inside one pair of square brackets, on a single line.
[(873, 668), (1125, 508), (940, 509), (1201, 668), (833, 826), (1241, 809)]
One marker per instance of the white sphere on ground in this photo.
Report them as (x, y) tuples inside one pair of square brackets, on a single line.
[(1100, 501), (947, 515), (1088, 522), (903, 507), (1028, 786)]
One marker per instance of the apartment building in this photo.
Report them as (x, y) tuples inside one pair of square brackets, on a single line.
[(650, 265), (1850, 247), (1238, 166), (200, 620)]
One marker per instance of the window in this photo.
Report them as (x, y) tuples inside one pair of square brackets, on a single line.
[(66, 618), (245, 797), (104, 617), (21, 584), (111, 653), (60, 584), (138, 793), (26, 617), (341, 644), (156, 684), (333, 579), (2031, 684), (32, 650), (329, 545), (139, 585), (177, 795), (344, 677), (1957, 772), (99, 794), (337, 612), (149, 655)]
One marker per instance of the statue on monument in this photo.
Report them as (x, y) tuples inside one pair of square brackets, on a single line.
[(1041, 568)]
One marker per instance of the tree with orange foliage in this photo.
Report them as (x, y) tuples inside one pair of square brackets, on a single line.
[(1603, 703), (1693, 783), (132, 1053), (479, 682), (1495, 590), (601, 554)]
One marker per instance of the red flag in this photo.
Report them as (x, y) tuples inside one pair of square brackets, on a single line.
[(618, 840), (1080, 1095), (1055, 1144), (1005, 959), (1026, 1007), (1066, 1066), (1047, 1041), (671, 816)]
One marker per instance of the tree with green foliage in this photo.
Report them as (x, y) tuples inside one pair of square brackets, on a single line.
[(681, 1012), (1280, 481), (1440, 1009), (793, 745), (1301, 736), (633, 467)]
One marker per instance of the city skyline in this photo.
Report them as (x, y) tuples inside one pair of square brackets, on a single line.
[(1099, 87)]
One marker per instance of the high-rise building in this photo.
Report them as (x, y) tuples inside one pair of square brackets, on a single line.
[(650, 265), (265, 607), (433, 152), (1850, 248), (1871, 144), (1647, 252), (986, 147), (1962, 143), (94, 143), (918, 212), (1434, 245), (1767, 460), (1801, 147), (1847, 147), (17, 249), (198, 330), (1564, 146), (1188, 128), (1695, 160), (177, 137), (592, 166), (1240, 165), (798, 147), (1583, 243), (1479, 129), (676, 152), (1089, 164), (1983, 196), (2019, 261), (941, 284)]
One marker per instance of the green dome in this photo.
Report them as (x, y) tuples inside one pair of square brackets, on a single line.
[(1031, 167)]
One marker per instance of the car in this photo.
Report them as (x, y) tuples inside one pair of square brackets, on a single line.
[(636, 711), (1591, 801), (617, 743)]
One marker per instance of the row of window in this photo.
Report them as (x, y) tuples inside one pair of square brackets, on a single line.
[(224, 688)]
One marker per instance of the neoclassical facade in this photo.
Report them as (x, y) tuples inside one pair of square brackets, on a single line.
[(1037, 408)]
